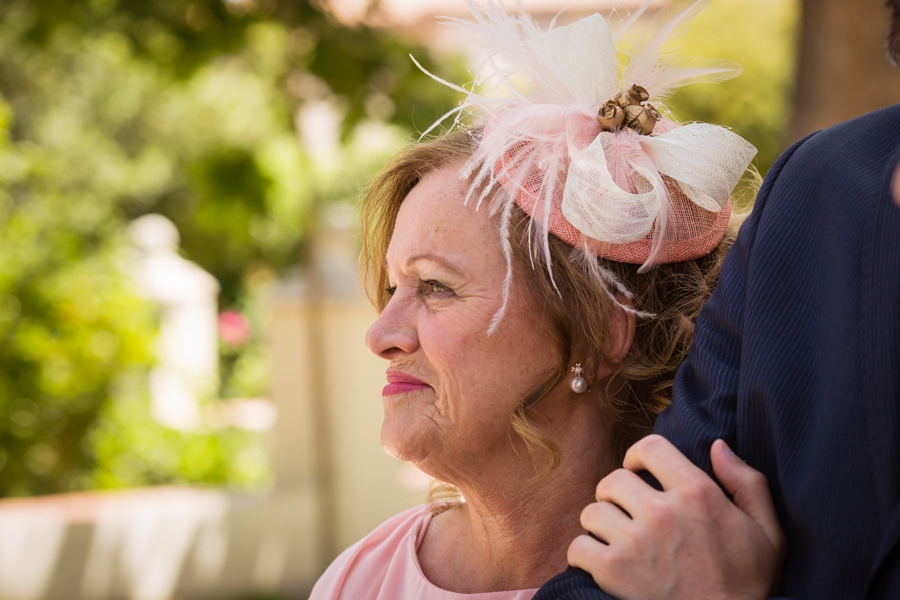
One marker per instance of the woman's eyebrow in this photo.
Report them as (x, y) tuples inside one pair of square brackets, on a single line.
[(446, 264)]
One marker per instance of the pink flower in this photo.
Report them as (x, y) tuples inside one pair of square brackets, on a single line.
[(234, 328)]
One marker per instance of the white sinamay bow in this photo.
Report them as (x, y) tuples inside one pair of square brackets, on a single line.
[(539, 94), (707, 161)]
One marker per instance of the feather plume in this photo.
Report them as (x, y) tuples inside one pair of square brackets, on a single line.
[(655, 63), (536, 95)]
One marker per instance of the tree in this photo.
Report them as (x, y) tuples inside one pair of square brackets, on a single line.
[(842, 71), (110, 109), (756, 104)]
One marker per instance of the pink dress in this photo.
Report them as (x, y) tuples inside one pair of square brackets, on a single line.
[(384, 565)]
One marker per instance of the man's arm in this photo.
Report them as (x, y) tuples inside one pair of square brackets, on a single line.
[(687, 540), (704, 397), (667, 543)]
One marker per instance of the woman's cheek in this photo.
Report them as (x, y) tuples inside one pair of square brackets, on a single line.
[(455, 350)]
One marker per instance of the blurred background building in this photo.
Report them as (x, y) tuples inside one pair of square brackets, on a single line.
[(187, 408)]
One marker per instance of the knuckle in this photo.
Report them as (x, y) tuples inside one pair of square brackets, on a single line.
[(654, 439), (617, 475), (613, 562), (575, 555), (757, 480), (633, 542), (572, 553), (608, 483), (589, 515), (586, 553), (653, 443), (658, 512), (576, 549), (643, 445), (646, 443), (700, 491)]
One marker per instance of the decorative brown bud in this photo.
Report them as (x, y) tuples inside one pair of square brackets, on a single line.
[(642, 119), (632, 97), (632, 113), (653, 114), (611, 116), (624, 99), (638, 94)]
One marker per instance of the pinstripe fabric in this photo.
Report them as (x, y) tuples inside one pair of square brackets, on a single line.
[(796, 363)]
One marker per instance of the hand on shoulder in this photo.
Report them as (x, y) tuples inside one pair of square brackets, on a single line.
[(687, 541)]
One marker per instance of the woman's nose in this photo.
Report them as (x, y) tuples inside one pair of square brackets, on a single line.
[(392, 332)]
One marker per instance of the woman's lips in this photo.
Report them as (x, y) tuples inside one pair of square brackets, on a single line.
[(399, 383)]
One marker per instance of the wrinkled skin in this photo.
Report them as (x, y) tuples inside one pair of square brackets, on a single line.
[(446, 272)]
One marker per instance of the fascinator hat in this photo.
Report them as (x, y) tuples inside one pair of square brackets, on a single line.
[(572, 132)]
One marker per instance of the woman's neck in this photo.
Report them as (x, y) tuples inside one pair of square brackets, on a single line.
[(508, 535)]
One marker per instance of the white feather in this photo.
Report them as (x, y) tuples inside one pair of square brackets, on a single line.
[(655, 62), (537, 106)]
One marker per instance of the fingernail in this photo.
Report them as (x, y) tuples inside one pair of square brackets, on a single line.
[(728, 451)]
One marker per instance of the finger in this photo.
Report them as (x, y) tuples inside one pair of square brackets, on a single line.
[(600, 561), (587, 553), (624, 489), (748, 487), (606, 521), (656, 454)]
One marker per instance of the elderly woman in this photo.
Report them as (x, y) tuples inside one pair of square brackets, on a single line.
[(526, 349), (496, 415)]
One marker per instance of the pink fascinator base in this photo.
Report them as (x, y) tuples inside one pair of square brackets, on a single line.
[(692, 231)]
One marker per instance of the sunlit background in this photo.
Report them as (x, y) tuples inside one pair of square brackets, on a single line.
[(187, 409)]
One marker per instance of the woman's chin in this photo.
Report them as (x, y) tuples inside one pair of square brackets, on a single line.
[(402, 444)]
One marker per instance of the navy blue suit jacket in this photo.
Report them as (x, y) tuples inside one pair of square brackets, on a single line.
[(796, 363)]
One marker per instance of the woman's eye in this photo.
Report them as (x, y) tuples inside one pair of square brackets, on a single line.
[(433, 287)]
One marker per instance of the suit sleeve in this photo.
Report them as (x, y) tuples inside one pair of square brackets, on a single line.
[(704, 397)]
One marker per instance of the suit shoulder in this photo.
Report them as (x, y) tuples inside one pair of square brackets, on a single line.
[(860, 146), (835, 171)]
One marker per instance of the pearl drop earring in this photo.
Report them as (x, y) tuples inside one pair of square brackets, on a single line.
[(578, 383)]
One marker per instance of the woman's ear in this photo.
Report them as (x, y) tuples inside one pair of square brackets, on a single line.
[(622, 323)]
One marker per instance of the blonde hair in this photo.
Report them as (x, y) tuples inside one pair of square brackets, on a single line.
[(577, 314)]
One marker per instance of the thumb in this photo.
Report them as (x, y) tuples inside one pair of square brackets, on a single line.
[(749, 488)]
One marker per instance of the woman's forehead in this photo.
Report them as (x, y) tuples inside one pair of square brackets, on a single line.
[(436, 220)]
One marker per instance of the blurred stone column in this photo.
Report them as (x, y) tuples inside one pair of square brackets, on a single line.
[(326, 385), (187, 350), (327, 388)]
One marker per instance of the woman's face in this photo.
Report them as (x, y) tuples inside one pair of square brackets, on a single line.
[(452, 388)]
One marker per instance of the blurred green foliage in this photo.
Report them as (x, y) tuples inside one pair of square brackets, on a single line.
[(131, 449), (110, 109), (761, 36)]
